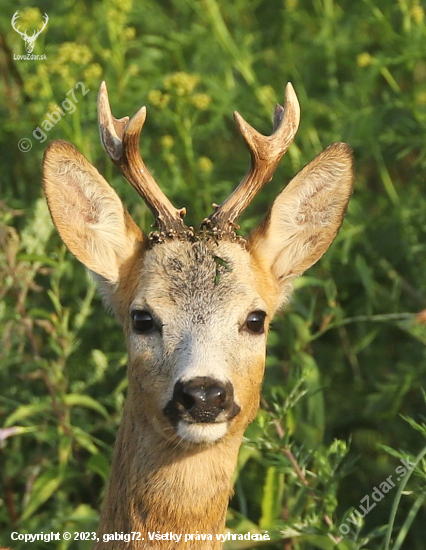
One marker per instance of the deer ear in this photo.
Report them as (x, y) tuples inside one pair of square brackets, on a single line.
[(306, 216), (87, 212)]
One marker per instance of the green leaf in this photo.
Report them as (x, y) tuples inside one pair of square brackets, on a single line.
[(271, 500), (99, 464), (76, 399), (85, 440), (246, 452), (222, 263), (26, 411), (43, 488)]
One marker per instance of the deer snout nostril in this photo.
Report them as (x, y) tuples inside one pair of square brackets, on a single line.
[(216, 395), (204, 394), (188, 398), (202, 399)]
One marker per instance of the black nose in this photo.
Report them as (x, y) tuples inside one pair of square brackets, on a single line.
[(202, 399), (199, 394)]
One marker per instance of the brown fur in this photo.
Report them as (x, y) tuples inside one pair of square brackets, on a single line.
[(160, 481)]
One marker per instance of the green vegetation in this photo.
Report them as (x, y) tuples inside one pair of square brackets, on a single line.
[(342, 398)]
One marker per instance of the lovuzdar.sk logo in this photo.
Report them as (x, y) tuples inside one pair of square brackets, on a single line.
[(29, 40)]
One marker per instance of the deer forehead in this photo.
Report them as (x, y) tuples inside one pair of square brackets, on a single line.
[(199, 281)]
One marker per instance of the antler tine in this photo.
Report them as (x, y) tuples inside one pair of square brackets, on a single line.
[(120, 139), (266, 153), (14, 18)]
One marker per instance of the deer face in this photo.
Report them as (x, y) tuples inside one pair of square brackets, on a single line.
[(30, 43), (196, 308), (196, 324)]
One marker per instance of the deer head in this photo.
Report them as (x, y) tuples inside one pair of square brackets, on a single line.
[(29, 40), (195, 305)]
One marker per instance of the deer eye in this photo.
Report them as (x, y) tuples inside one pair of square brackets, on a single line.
[(255, 322), (142, 321)]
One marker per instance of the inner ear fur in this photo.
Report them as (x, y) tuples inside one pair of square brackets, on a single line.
[(89, 215), (306, 216)]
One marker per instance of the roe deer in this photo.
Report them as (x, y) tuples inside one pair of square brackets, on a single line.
[(195, 308)]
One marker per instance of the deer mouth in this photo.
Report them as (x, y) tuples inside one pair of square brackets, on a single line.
[(201, 409), (201, 433)]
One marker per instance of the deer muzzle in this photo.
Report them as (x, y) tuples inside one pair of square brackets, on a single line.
[(201, 400)]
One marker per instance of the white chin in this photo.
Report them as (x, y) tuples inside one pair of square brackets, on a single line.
[(201, 433)]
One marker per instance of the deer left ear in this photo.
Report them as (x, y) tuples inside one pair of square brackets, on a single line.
[(306, 216), (88, 213)]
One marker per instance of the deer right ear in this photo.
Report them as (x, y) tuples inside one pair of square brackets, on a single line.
[(305, 217), (87, 212)]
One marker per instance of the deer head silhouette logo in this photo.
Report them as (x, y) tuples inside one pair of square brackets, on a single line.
[(29, 40)]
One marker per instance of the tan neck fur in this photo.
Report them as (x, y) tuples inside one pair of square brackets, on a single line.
[(156, 487)]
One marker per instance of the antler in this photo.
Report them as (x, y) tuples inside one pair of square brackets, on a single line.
[(120, 139), (266, 153), (14, 18), (34, 36)]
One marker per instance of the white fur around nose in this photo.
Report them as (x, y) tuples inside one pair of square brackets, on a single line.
[(201, 433)]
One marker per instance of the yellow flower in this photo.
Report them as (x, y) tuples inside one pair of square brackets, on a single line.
[(201, 101), (106, 54), (154, 97), (158, 99), (167, 142), (63, 71), (28, 20), (31, 85), (205, 165), (291, 5), (364, 59), (171, 159), (122, 5), (417, 13), (267, 94), (421, 98), (133, 69), (93, 72), (129, 33), (74, 53), (182, 83)]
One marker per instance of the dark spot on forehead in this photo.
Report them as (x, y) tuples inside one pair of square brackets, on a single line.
[(189, 274), (175, 264), (198, 269)]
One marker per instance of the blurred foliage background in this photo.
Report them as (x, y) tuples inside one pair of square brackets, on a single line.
[(342, 399)]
